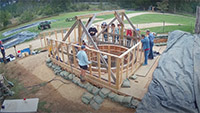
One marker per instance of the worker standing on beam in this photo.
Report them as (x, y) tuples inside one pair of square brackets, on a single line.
[(151, 39), (83, 62), (146, 48)]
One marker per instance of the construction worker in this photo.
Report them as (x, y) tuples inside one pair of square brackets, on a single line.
[(92, 30), (83, 62), (103, 26), (146, 48), (2, 51), (151, 39)]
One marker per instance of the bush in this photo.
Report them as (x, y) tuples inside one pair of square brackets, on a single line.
[(26, 17)]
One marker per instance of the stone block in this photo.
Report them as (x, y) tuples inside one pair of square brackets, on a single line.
[(98, 99), (87, 96), (48, 60), (111, 95), (127, 100), (85, 101), (126, 83), (95, 90), (89, 88), (95, 105), (134, 77), (118, 98)]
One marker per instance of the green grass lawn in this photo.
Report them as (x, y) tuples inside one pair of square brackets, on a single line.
[(187, 22), (61, 23)]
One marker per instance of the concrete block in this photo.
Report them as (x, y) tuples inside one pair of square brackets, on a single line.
[(87, 96), (118, 98), (111, 95), (102, 95), (48, 60), (126, 83), (75, 80), (134, 77), (71, 76), (98, 99), (95, 90), (85, 101), (134, 103), (127, 100), (49, 65), (105, 91), (89, 88), (86, 85), (95, 105)]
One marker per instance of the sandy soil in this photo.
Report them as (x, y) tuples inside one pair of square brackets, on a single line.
[(69, 92)]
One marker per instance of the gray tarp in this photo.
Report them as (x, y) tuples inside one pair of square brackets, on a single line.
[(175, 87)]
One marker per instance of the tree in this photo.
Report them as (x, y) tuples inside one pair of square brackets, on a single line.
[(4, 18), (163, 6), (26, 17)]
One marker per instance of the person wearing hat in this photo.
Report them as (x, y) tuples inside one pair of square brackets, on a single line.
[(146, 48), (83, 62), (151, 39), (2, 51)]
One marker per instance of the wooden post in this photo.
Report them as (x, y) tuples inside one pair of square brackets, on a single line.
[(109, 69), (99, 64), (133, 59), (137, 53), (57, 49), (127, 68), (141, 53), (74, 55), (56, 35), (75, 35), (52, 48), (49, 34), (197, 25), (45, 43), (90, 65), (117, 73), (122, 69), (79, 34), (68, 54), (122, 31), (62, 52), (62, 34), (49, 47)]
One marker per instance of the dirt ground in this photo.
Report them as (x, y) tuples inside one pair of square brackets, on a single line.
[(57, 96)]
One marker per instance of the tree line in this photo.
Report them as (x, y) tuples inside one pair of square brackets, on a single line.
[(27, 10)]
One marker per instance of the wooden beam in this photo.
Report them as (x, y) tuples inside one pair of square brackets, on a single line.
[(122, 32), (117, 74), (127, 67), (88, 25), (67, 35), (98, 14), (109, 69), (52, 48), (132, 25), (122, 69), (63, 58), (106, 27), (79, 33), (99, 65), (118, 18), (95, 46)]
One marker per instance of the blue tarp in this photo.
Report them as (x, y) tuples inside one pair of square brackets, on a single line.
[(18, 38), (175, 87)]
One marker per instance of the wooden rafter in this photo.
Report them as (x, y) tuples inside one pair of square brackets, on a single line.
[(95, 46)]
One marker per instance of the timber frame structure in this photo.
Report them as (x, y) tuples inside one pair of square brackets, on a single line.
[(122, 59)]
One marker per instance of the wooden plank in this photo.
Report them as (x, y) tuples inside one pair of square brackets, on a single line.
[(52, 48), (62, 34), (90, 65), (57, 49), (137, 54), (99, 65), (127, 67), (106, 27), (141, 53), (62, 52), (74, 55), (133, 60), (118, 18), (88, 25), (109, 69), (75, 35), (56, 35), (45, 43), (95, 46), (122, 68), (129, 50), (132, 25), (79, 33), (117, 74), (67, 35), (70, 62), (98, 14), (122, 32)]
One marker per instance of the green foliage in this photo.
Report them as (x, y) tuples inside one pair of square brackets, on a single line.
[(163, 6), (26, 17), (4, 18)]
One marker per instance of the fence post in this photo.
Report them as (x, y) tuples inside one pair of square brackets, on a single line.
[(117, 74)]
